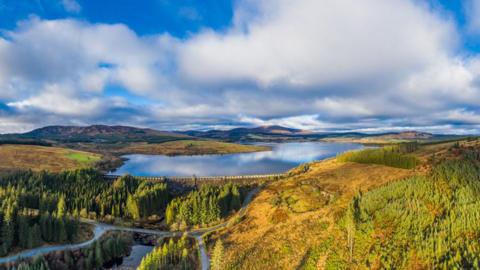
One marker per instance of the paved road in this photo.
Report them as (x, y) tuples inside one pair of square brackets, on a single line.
[(204, 260), (101, 228), (198, 234)]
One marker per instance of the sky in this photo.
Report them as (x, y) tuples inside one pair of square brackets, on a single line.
[(325, 65)]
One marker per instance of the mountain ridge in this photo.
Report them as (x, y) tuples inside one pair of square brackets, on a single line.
[(96, 133), (266, 133), (276, 133)]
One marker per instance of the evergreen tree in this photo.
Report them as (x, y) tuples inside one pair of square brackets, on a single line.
[(61, 207), (98, 255), (235, 201), (217, 262), (7, 235), (62, 232), (132, 207)]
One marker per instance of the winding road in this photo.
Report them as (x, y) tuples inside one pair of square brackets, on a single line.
[(101, 228)]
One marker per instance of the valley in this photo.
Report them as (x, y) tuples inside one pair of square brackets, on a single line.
[(240, 135), (328, 211), (58, 148)]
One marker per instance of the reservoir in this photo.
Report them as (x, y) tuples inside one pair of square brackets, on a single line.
[(281, 158)]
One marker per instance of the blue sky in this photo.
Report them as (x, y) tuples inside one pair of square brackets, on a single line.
[(327, 65), (179, 18)]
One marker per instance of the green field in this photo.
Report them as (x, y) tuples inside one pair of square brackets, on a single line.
[(38, 158), (83, 157)]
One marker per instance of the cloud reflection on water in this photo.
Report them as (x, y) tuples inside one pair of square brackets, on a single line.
[(283, 157)]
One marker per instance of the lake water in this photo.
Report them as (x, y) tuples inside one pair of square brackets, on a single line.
[(133, 260), (281, 158)]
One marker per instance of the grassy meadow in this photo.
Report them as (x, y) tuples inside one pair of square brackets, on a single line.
[(38, 158), (190, 147)]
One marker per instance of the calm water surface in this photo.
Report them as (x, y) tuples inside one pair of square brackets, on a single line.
[(282, 157), (136, 256)]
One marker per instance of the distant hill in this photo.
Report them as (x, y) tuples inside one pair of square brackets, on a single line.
[(96, 133), (279, 133), (246, 134), (276, 130), (407, 135), (103, 134)]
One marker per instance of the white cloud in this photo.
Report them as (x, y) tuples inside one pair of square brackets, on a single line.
[(329, 64), (338, 107), (321, 43), (462, 115), (303, 122), (61, 100), (71, 6)]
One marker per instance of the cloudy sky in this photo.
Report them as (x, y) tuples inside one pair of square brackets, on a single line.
[(327, 65)]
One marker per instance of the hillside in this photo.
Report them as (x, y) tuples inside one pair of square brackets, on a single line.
[(406, 135), (291, 218), (189, 147), (38, 158), (262, 133), (97, 134), (107, 143), (302, 222), (283, 134)]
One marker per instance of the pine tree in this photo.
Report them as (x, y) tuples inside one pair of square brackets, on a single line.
[(217, 262), (23, 231), (184, 258), (62, 232), (236, 201), (7, 234), (132, 207), (90, 263), (36, 235), (61, 207), (170, 214), (98, 255)]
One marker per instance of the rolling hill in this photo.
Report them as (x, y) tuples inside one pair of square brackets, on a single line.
[(281, 134), (97, 134)]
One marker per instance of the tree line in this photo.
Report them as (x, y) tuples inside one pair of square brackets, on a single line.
[(174, 254), (86, 193), (101, 253), (38, 208), (207, 205), (423, 222), (27, 228), (393, 156)]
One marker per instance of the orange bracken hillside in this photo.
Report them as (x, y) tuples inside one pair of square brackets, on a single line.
[(292, 218)]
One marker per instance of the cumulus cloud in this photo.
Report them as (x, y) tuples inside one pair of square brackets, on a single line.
[(320, 43), (61, 100), (323, 65)]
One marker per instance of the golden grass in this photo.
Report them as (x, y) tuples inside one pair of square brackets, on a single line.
[(291, 217), (293, 223), (37, 158), (191, 147)]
